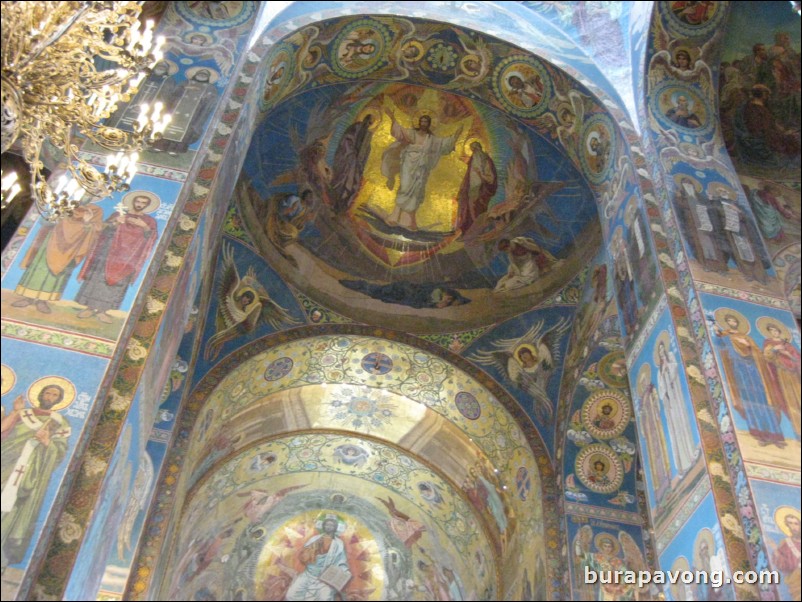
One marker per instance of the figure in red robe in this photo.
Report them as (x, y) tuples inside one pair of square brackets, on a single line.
[(478, 187), (116, 260)]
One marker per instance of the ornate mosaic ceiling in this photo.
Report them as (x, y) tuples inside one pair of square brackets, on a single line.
[(414, 174)]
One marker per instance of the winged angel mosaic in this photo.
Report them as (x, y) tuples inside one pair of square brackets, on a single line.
[(243, 304), (529, 361)]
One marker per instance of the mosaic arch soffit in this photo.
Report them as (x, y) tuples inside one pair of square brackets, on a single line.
[(325, 377)]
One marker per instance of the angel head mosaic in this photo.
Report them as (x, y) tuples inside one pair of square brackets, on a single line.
[(448, 194)]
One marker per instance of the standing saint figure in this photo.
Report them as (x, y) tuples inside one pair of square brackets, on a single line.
[(478, 187), (783, 362), (412, 157), (748, 377), (117, 258), (669, 389), (349, 163), (326, 571), (34, 443), (56, 251), (651, 423), (190, 103), (786, 558)]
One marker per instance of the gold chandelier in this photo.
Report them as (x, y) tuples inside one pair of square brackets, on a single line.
[(65, 66)]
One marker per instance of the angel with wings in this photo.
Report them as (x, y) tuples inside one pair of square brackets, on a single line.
[(261, 502), (607, 557), (243, 304), (529, 361)]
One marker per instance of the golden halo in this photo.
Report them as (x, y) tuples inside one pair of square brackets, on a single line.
[(245, 290), (188, 36), (722, 313), (705, 535), (375, 114), (644, 376), (594, 134), (600, 458), (466, 148), (691, 55), (782, 513), (664, 338), (213, 75), (697, 185), (470, 57), (417, 46), (155, 201), (9, 379), (324, 516), (597, 541), (510, 74), (65, 385), (611, 406), (562, 108), (429, 112), (680, 564), (715, 189), (172, 68), (764, 322), (531, 348)]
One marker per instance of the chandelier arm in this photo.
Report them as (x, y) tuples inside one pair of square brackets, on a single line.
[(43, 44)]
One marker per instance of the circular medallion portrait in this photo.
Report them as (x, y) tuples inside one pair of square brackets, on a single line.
[(216, 14), (360, 48), (280, 69), (468, 405), (596, 154), (613, 369), (599, 468), (522, 85), (606, 414), (278, 368), (692, 19), (681, 108)]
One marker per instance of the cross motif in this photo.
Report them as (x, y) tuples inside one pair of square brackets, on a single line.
[(28, 414), (18, 475), (62, 433)]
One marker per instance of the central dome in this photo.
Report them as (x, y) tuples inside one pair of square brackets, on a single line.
[(423, 180)]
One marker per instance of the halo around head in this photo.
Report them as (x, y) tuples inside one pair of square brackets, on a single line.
[(763, 324), (706, 536), (518, 349), (644, 377), (322, 518), (172, 68), (213, 75), (780, 516), (155, 201), (52, 381), (9, 379), (466, 148), (683, 177), (665, 339), (719, 189), (602, 537), (721, 316)]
